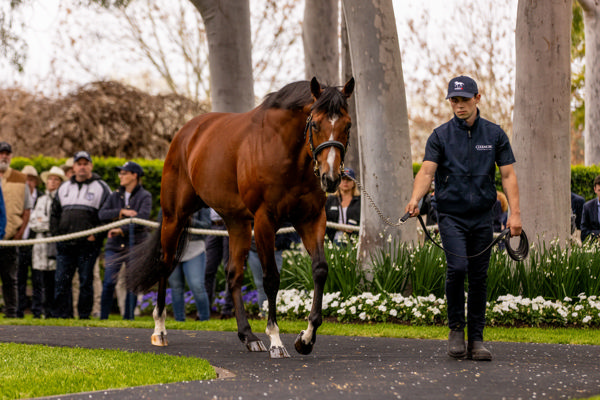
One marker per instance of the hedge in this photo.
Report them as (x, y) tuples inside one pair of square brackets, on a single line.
[(582, 177)]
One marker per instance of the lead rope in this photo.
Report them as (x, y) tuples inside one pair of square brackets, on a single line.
[(518, 254)]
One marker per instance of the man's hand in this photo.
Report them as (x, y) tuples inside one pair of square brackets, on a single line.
[(515, 225), (127, 212), (115, 232)]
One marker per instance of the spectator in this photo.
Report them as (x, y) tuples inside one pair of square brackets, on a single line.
[(18, 204), (129, 200), (217, 250), (590, 223), (2, 215), (577, 202), (462, 155), (24, 254), (44, 254), (192, 268), (343, 207), (67, 167), (500, 212), (283, 241), (75, 208)]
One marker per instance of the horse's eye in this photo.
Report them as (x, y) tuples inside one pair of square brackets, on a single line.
[(314, 126)]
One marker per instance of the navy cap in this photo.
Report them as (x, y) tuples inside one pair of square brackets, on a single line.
[(132, 167), (349, 172), (82, 154), (462, 86), (5, 147)]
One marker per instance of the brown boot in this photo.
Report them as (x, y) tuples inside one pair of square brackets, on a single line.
[(477, 352), (456, 344)]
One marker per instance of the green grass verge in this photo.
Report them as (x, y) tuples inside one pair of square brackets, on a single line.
[(34, 370), (589, 336)]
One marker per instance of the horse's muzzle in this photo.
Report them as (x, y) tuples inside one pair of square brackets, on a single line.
[(330, 184)]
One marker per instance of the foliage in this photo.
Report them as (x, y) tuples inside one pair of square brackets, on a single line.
[(59, 371), (105, 167)]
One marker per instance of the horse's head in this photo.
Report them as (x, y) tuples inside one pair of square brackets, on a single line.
[(328, 132)]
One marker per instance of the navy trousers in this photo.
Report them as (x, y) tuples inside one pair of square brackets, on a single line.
[(466, 236)]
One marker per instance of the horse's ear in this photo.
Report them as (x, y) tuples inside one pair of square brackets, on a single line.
[(315, 87), (348, 88)]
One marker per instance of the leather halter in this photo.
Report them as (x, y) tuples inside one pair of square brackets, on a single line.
[(329, 143)]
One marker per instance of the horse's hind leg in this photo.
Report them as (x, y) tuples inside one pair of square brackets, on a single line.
[(312, 234), (239, 245), (264, 235), (159, 337)]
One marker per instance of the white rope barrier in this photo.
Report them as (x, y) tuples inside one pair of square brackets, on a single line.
[(144, 222)]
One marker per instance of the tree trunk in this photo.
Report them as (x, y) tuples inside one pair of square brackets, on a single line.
[(591, 22), (384, 143), (229, 40), (352, 156), (541, 139), (320, 38)]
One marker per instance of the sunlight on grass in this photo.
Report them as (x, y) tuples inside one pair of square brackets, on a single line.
[(34, 370)]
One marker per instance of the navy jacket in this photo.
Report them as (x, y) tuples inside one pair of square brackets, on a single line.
[(332, 210), (2, 215), (466, 159), (140, 201), (589, 220), (577, 202)]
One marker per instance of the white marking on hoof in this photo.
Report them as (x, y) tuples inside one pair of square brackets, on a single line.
[(277, 349), (159, 337), (307, 335)]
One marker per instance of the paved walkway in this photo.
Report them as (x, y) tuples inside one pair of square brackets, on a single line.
[(341, 367)]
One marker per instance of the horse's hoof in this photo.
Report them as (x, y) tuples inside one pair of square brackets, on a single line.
[(256, 345), (301, 347), (279, 352), (160, 340)]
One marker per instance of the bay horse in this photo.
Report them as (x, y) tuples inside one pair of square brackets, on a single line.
[(271, 165)]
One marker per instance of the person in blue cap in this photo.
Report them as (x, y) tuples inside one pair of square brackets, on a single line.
[(343, 207), (129, 200), (462, 155)]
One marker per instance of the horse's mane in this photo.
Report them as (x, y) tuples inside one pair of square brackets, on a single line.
[(297, 95)]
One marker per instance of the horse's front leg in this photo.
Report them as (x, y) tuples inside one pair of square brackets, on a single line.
[(264, 235), (240, 233), (159, 337), (313, 236)]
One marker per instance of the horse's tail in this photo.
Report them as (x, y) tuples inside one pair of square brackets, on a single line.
[(145, 262), (145, 265)]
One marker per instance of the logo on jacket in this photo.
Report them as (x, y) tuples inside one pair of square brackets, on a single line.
[(89, 196), (484, 147)]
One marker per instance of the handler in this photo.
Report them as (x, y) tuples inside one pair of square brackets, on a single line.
[(461, 155)]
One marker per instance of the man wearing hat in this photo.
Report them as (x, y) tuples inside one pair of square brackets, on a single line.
[(75, 209), (18, 203), (24, 252), (129, 200), (44, 254), (462, 155)]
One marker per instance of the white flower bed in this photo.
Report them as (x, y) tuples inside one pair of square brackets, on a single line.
[(506, 310)]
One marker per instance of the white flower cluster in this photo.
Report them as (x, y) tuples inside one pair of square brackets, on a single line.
[(429, 310)]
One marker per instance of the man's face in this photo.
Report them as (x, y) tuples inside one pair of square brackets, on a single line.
[(32, 182), (82, 169), (597, 190), (465, 108), (5, 158)]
